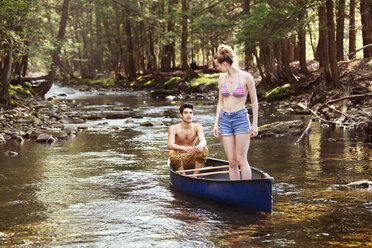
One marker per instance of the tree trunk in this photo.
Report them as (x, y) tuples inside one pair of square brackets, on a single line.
[(340, 29), (45, 87), (323, 46), (352, 30), (288, 72), (332, 45), (166, 59), (189, 73), (366, 27), (278, 54), (131, 67), (151, 53), (24, 64), (259, 65), (302, 45), (5, 78), (248, 56), (266, 57), (99, 55)]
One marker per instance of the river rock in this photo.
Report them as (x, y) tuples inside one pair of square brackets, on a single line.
[(2, 140), (45, 138), (117, 115), (45, 111), (281, 128), (74, 120), (151, 123), (70, 131), (35, 133), (364, 184), (61, 135), (93, 116), (171, 113), (161, 93), (11, 154)]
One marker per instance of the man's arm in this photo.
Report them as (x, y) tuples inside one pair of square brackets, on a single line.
[(201, 137), (172, 140)]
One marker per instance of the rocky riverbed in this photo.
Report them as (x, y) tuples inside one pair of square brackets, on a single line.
[(46, 121)]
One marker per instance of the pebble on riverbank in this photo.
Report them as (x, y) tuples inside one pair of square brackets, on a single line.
[(41, 121)]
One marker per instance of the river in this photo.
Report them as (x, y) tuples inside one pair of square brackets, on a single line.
[(109, 186)]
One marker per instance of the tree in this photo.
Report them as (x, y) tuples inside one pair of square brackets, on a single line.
[(13, 20), (323, 45), (332, 45), (352, 29), (248, 57), (189, 73), (5, 76), (302, 45), (340, 29), (366, 27), (45, 87)]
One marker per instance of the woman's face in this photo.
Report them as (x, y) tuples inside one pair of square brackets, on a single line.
[(221, 67)]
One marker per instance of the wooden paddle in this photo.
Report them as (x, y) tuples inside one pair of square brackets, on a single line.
[(208, 173), (205, 168)]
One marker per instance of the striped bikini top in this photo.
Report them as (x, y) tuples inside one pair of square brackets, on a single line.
[(238, 92)]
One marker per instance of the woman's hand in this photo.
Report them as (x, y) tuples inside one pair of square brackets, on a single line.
[(254, 131), (215, 130)]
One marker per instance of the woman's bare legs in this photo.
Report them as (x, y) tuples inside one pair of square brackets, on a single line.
[(241, 151), (229, 147)]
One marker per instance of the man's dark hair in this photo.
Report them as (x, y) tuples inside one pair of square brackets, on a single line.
[(186, 105)]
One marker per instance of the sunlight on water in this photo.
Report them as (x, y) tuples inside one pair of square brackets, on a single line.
[(110, 188)]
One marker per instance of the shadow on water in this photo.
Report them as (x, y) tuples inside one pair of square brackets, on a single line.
[(110, 187)]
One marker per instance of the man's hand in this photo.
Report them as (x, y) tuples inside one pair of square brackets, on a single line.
[(193, 149), (198, 149)]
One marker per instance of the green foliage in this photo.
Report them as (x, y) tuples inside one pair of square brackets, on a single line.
[(270, 21), (172, 81), (15, 102), (19, 90), (104, 82), (204, 79), (151, 82)]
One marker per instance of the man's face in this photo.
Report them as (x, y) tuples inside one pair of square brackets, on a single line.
[(187, 115)]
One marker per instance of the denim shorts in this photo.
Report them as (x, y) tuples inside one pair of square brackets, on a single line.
[(232, 123)]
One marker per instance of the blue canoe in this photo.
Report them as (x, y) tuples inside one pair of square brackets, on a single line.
[(216, 185)]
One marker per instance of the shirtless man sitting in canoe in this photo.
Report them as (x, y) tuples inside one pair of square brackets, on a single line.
[(182, 138)]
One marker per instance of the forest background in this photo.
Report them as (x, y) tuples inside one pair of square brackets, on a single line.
[(309, 45)]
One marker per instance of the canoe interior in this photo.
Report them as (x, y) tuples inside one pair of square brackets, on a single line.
[(256, 173)]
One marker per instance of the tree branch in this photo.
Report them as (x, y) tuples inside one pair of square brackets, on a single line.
[(364, 47)]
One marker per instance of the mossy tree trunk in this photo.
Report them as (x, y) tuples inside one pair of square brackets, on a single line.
[(5, 77)]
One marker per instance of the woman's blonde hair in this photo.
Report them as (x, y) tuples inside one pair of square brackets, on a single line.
[(225, 53)]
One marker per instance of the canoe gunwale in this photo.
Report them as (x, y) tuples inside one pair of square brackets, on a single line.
[(267, 177)]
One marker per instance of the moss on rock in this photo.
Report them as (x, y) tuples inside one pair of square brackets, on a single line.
[(205, 79), (277, 92)]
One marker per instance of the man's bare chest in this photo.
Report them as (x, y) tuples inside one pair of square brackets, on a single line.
[(186, 136)]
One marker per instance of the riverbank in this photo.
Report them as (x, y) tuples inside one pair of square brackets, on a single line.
[(348, 107)]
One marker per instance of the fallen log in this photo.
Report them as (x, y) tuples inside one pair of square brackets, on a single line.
[(27, 79)]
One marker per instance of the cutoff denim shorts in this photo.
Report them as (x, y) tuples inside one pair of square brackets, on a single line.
[(232, 123)]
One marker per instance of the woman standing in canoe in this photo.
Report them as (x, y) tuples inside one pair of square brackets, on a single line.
[(231, 115)]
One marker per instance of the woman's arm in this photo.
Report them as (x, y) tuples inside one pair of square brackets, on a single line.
[(219, 107), (254, 102)]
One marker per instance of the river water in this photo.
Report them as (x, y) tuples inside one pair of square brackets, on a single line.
[(109, 186)]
